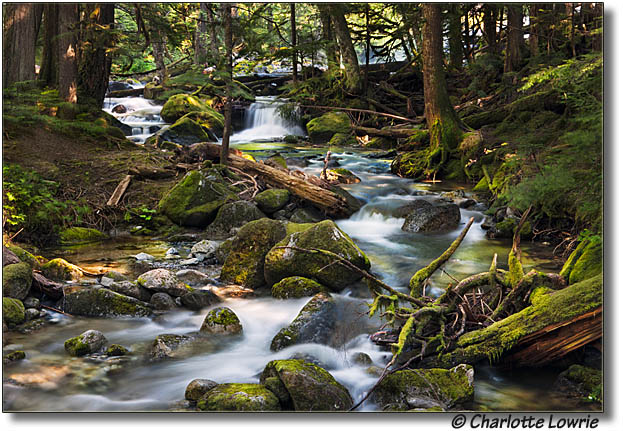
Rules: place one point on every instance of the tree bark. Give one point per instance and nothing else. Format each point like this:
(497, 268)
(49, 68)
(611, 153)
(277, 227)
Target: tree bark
(201, 48)
(454, 36)
(49, 62)
(349, 56)
(489, 24)
(295, 75)
(67, 52)
(228, 89)
(533, 38)
(20, 35)
(333, 56)
(514, 38)
(442, 120)
(158, 45)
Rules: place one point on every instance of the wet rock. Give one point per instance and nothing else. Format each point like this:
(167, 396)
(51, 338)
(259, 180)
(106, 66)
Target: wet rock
(302, 386)
(203, 249)
(580, 382)
(171, 346)
(198, 388)
(193, 278)
(276, 161)
(131, 289)
(272, 200)
(144, 257)
(361, 358)
(506, 229)
(117, 350)
(239, 397)
(12, 357)
(32, 314)
(199, 299)
(162, 301)
(162, 280)
(296, 287)
(285, 262)
(32, 302)
(433, 218)
(93, 301)
(119, 109)
(232, 291)
(297, 162)
(426, 388)
(16, 280)
(314, 324)
(60, 270)
(404, 210)
(221, 320)
(196, 199)
(223, 250)
(467, 203)
(86, 343)
(232, 216)
(13, 311)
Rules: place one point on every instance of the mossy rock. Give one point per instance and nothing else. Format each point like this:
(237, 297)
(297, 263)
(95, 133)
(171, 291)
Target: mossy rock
(285, 262)
(223, 250)
(305, 387)
(412, 164)
(181, 104)
(291, 139)
(210, 120)
(322, 129)
(581, 382)
(221, 320)
(506, 229)
(426, 388)
(100, 302)
(13, 311)
(60, 270)
(198, 388)
(314, 324)
(342, 176)
(81, 235)
(239, 397)
(152, 90)
(296, 287)
(117, 350)
(277, 161)
(186, 131)
(589, 263)
(16, 280)
(171, 346)
(88, 342)
(244, 264)
(231, 216)
(272, 200)
(196, 199)
(482, 186)
(164, 281)
(343, 140)
(24, 255)
(12, 357)
(306, 215)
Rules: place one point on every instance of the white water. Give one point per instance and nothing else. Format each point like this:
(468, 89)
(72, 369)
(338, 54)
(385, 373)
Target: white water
(263, 122)
(142, 115)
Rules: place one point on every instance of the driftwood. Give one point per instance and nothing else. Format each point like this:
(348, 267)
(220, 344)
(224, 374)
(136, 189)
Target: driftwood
(119, 191)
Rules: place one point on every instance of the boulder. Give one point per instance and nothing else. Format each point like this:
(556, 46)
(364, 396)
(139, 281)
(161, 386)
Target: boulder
(117, 350)
(506, 229)
(16, 280)
(433, 218)
(314, 324)
(60, 270)
(179, 105)
(232, 216)
(306, 215)
(322, 129)
(239, 397)
(272, 200)
(426, 389)
(285, 262)
(199, 299)
(131, 289)
(88, 342)
(193, 278)
(305, 387)
(94, 301)
(223, 250)
(195, 200)
(203, 249)
(81, 235)
(221, 320)
(184, 131)
(162, 280)
(296, 287)
(171, 346)
(13, 311)
(343, 140)
(21, 254)
(404, 210)
(198, 388)
(162, 301)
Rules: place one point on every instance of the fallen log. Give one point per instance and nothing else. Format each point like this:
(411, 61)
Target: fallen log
(46, 286)
(387, 133)
(119, 191)
(417, 120)
(132, 92)
(326, 200)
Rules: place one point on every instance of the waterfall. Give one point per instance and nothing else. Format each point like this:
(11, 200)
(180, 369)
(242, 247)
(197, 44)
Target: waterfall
(263, 122)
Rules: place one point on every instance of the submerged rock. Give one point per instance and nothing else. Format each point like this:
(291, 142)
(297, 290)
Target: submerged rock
(433, 218)
(302, 386)
(426, 388)
(239, 397)
(314, 324)
(296, 287)
(88, 342)
(221, 320)
(162, 280)
(16, 280)
(93, 301)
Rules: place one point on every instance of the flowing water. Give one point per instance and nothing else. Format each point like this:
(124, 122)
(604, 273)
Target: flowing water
(48, 380)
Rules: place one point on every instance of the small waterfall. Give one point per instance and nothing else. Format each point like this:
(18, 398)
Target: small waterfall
(263, 122)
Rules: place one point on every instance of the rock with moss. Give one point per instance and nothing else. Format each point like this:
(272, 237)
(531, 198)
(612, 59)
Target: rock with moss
(16, 280)
(322, 129)
(231, 217)
(60, 270)
(290, 139)
(296, 287)
(81, 235)
(199, 299)
(131, 289)
(426, 388)
(88, 342)
(186, 131)
(171, 346)
(198, 388)
(196, 199)
(381, 143)
(282, 261)
(506, 229)
(272, 200)
(221, 320)
(117, 350)
(342, 176)
(582, 382)
(276, 161)
(222, 251)
(13, 357)
(182, 104)
(211, 120)
(305, 387)
(343, 140)
(239, 397)
(306, 215)
(412, 164)
(433, 218)
(92, 301)
(23, 255)
(314, 324)
(162, 280)
(13, 311)
(244, 264)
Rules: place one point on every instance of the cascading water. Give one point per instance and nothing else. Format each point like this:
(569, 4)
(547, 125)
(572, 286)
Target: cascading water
(264, 122)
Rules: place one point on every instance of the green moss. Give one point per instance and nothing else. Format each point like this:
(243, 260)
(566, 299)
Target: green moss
(343, 176)
(185, 131)
(117, 350)
(15, 356)
(588, 380)
(572, 259)
(77, 347)
(60, 270)
(381, 143)
(24, 255)
(181, 104)
(277, 160)
(296, 287)
(412, 164)
(482, 186)
(342, 140)
(100, 302)
(322, 129)
(81, 235)
(239, 397)
(589, 263)
(210, 119)
(13, 311)
(221, 320)
(16, 280)
(515, 269)
(272, 200)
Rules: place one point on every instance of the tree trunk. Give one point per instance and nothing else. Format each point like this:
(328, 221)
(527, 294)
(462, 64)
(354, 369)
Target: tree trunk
(67, 57)
(201, 48)
(368, 46)
(18, 52)
(533, 38)
(514, 38)
(454, 36)
(333, 56)
(158, 45)
(94, 64)
(213, 36)
(293, 41)
(443, 122)
(49, 62)
(490, 31)
(228, 70)
(349, 56)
